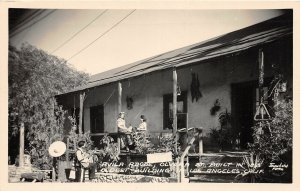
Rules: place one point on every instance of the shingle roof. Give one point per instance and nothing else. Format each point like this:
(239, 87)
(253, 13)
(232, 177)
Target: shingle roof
(233, 42)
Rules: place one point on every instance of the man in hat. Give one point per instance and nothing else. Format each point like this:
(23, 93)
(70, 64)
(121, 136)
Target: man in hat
(83, 163)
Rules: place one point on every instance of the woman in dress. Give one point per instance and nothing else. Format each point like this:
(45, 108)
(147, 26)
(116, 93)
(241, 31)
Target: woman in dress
(143, 125)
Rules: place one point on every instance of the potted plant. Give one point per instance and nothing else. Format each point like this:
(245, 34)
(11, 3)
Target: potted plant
(224, 135)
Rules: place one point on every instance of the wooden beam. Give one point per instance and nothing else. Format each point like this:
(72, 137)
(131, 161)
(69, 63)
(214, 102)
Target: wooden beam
(21, 148)
(119, 111)
(261, 74)
(175, 107)
(54, 162)
(185, 153)
(119, 97)
(119, 145)
(178, 170)
(81, 100)
(68, 150)
(201, 142)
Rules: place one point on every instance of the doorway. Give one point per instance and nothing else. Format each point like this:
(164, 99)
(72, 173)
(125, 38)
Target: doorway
(97, 119)
(96, 124)
(243, 106)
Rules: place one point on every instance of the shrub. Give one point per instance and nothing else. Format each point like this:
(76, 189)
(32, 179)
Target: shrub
(273, 141)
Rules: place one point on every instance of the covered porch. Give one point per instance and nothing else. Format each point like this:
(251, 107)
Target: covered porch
(222, 86)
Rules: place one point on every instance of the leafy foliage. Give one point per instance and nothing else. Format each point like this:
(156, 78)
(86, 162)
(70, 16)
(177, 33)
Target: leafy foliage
(74, 138)
(35, 77)
(141, 142)
(273, 141)
(109, 152)
(168, 143)
(41, 138)
(274, 138)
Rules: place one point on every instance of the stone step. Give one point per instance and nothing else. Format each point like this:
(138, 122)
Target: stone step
(213, 178)
(121, 178)
(215, 167)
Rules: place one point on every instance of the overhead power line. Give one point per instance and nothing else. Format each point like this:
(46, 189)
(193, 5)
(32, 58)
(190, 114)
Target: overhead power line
(84, 48)
(21, 30)
(16, 24)
(97, 17)
(69, 39)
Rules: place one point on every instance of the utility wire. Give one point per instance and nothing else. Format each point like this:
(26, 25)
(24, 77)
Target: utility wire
(99, 15)
(21, 30)
(84, 48)
(23, 21)
(68, 40)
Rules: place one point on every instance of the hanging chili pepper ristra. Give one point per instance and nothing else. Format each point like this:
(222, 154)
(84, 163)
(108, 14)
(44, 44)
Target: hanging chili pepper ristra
(199, 94)
(195, 88)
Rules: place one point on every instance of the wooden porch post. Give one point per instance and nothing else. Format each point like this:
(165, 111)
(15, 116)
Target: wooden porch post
(119, 97)
(119, 110)
(53, 169)
(81, 100)
(201, 142)
(261, 74)
(175, 107)
(67, 151)
(261, 79)
(21, 148)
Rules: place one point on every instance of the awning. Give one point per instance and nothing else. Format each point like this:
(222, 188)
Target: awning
(230, 43)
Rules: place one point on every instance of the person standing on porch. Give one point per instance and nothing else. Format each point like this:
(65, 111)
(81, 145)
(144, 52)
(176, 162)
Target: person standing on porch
(124, 131)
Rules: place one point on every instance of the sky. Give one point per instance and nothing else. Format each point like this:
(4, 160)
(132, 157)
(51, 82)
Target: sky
(122, 37)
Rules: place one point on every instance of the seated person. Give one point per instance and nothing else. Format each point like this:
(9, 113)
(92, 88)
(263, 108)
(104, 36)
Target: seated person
(143, 124)
(142, 128)
(121, 124)
(124, 131)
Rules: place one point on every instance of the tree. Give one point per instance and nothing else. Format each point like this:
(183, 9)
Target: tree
(35, 77)
(273, 141)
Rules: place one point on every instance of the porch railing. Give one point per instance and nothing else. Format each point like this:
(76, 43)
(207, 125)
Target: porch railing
(154, 138)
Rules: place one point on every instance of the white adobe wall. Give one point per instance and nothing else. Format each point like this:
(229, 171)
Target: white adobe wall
(147, 92)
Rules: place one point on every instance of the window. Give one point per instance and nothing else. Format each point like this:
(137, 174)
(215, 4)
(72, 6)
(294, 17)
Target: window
(97, 119)
(181, 111)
